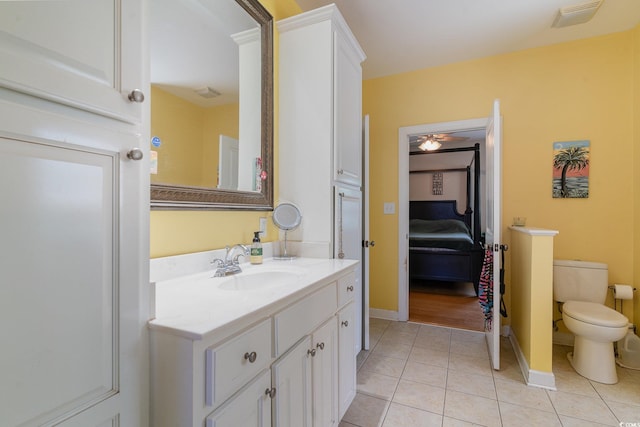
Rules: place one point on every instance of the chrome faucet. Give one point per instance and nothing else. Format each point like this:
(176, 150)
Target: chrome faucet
(230, 264)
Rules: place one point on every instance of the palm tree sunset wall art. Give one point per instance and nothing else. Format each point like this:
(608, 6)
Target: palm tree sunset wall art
(571, 169)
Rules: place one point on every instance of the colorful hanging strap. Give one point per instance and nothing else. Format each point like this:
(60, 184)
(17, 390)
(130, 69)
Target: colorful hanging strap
(485, 291)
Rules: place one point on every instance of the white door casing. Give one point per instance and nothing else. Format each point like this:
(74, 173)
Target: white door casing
(403, 197)
(494, 188)
(367, 243)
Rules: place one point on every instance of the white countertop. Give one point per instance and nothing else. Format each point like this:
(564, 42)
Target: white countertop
(194, 306)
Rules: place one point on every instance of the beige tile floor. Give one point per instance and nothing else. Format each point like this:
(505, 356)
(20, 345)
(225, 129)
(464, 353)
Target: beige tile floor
(422, 375)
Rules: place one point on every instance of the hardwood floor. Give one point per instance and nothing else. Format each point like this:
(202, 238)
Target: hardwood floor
(451, 304)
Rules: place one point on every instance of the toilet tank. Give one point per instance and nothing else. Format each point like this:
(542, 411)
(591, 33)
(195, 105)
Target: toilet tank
(580, 281)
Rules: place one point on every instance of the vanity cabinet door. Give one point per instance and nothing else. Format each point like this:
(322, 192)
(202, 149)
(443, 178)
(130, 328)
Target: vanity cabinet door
(325, 374)
(84, 54)
(291, 378)
(250, 408)
(346, 358)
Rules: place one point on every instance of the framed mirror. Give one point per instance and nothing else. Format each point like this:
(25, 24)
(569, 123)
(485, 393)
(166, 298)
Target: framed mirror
(211, 104)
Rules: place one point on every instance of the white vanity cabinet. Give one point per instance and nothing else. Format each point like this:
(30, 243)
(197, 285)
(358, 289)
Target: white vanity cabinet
(306, 381)
(277, 365)
(346, 358)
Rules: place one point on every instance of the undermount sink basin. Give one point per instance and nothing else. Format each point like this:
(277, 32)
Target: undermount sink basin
(258, 280)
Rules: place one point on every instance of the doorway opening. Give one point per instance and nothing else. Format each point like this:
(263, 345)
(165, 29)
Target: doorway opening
(445, 178)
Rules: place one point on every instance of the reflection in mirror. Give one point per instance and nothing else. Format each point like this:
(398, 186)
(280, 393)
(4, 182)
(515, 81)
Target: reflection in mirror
(211, 113)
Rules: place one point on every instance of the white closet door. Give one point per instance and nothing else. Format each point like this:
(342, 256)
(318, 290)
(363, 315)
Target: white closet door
(74, 216)
(347, 113)
(72, 52)
(348, 241)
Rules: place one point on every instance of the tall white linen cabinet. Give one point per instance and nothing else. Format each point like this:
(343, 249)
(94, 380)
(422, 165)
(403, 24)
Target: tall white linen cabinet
(320, 148)
(74, 216)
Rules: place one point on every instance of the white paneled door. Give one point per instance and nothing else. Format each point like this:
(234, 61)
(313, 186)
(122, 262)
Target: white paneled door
(74, 215)
(493, 231)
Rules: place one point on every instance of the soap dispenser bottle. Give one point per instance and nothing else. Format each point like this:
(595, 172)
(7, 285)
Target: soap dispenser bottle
(256, 249)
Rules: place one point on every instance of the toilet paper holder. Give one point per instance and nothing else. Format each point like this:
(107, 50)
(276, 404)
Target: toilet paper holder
(615, 299)
(612, 287)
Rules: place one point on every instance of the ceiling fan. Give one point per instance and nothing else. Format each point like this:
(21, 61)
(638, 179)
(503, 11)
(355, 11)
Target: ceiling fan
(431, 142)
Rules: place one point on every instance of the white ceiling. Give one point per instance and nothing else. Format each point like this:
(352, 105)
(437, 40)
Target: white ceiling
(406, 35)
(191, 47)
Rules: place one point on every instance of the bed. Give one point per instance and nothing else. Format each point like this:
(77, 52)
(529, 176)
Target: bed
(446, 245)
(441, 243)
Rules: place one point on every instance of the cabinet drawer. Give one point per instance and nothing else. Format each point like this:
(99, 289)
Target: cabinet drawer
(232, 364)
(294, 322)
(346, 289)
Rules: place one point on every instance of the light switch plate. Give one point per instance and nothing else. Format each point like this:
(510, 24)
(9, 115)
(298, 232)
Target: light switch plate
(263, 228)
(389, 208)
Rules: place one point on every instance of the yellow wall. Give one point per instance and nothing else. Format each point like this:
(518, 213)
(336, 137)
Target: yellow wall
(531, 296)
(178, 124)
(569, 91)
(179, 232)
(190, 134)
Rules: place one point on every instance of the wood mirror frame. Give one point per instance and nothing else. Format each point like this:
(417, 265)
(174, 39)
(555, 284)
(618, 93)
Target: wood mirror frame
(179, 197)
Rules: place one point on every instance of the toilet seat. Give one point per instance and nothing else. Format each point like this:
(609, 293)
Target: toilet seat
(595, 314)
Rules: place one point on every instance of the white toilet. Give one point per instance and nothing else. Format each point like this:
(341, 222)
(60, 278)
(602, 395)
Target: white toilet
(582, 287)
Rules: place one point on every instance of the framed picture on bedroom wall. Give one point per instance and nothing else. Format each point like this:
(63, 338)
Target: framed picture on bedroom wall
(571, 161)
(437, 187)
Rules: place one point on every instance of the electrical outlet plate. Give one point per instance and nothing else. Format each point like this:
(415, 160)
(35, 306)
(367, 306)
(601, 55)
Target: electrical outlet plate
(389, 208)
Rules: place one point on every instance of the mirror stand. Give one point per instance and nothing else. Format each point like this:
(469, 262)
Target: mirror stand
(286, 217)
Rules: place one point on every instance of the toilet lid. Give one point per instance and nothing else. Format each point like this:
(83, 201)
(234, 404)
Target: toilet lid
(596, 314)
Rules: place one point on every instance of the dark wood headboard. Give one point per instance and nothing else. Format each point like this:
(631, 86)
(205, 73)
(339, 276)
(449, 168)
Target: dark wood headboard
(438, 209)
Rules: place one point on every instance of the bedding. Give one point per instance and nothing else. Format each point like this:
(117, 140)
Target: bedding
(441, 233)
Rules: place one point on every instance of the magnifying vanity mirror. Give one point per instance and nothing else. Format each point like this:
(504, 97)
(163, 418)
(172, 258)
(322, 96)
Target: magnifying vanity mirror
(211, 104)
(286, 217)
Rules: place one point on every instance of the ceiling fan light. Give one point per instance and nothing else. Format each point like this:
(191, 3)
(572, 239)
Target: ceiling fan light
(429, 145)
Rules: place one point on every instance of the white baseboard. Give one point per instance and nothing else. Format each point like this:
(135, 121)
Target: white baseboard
(532, 377)
(383, 314)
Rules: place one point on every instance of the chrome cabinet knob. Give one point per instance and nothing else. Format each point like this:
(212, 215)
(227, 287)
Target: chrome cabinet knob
(350, 288)
(271, 392)
(251, 357)
(345, 323)
(135, 154)
(312, 352)
(136, 95)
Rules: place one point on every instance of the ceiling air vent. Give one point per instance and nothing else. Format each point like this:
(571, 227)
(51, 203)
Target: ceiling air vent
(577, 14)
